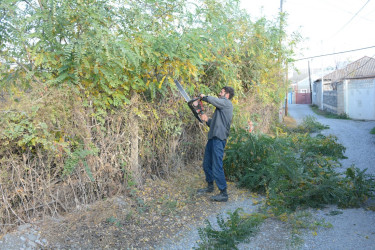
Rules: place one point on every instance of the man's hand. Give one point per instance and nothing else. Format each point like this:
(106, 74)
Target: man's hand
(204, 117)
(202, 95)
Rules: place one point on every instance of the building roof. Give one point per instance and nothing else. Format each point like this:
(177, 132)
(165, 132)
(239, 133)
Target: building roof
(306, 81)
(362, 68)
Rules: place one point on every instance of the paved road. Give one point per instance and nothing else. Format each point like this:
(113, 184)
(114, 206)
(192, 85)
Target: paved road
(354, 135)
(355, 228)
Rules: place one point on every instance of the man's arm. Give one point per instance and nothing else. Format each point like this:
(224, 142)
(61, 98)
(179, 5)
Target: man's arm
(219, 103)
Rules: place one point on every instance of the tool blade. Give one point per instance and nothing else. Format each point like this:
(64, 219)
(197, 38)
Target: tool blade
(182, 91)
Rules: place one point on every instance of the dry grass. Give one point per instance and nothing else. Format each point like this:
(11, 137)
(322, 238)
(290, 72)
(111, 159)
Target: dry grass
(260, 114)
(38, 181)
(34, 183)
(289, 122)
(159, 210)
(32, 177)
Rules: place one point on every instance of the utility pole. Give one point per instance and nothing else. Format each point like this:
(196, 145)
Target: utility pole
(281, 5)
(286, 79)
(322, 86)
(308, 65)
(287, 93)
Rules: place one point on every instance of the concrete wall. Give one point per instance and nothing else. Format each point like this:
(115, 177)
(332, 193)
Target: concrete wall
(356, 98)
(330, 101)
(316, 95)
(341, 109)
(360, 99)
(313, 96)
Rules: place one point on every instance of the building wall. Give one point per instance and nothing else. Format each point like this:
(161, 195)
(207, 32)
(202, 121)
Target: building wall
(316, 95)
(356, 98)
(341, 98)
(330, 101)
(313, 95)
(361, 99)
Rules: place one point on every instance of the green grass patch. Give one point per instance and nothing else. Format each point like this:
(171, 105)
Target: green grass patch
(327, 114)
(309, 125)
(372, 131)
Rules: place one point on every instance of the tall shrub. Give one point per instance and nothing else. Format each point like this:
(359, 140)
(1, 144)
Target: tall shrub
(92, 106)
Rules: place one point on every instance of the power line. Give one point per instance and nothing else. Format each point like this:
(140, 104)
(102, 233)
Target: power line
(334, 53)
(352, 18)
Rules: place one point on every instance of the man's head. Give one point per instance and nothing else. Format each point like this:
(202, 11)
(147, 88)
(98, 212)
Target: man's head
(227, 92)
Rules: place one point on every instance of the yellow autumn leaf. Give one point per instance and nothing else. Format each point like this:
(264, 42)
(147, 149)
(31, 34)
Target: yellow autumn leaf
(161, 82)
(255, 202)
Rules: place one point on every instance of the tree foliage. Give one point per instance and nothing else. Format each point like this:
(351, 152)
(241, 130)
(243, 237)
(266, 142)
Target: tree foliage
(77, 77)
(295, 170)
(108, 48)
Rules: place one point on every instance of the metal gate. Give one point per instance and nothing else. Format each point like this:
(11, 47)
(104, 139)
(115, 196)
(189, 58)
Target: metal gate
(303, 98)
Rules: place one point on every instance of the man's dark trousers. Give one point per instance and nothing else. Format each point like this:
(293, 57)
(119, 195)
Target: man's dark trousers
(213, 162)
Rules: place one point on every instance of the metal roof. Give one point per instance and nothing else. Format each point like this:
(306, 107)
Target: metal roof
(362, 68)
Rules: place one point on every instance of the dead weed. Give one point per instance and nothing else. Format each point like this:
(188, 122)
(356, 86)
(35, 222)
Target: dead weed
(158, 210)
(290, 122)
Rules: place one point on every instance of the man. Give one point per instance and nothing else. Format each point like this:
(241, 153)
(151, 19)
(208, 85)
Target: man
(217, 137)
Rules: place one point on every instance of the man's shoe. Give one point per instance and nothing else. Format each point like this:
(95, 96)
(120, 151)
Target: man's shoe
(222, 197)
(208, 189)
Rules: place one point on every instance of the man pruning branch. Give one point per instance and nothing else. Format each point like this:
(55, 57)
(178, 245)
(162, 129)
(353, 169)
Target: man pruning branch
(217, 137)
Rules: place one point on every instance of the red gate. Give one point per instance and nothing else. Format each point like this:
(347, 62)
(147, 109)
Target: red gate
(303, 98)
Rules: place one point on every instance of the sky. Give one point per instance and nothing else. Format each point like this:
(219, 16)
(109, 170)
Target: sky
(327, 26)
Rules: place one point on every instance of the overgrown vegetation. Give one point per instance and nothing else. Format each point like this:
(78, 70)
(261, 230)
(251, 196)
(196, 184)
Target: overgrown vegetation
(309, 125)
(88, 104)
(294, 171)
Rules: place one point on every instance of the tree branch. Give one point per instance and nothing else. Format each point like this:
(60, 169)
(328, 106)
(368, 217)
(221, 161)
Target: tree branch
(29, 4)
(40, 4)
(28, 71)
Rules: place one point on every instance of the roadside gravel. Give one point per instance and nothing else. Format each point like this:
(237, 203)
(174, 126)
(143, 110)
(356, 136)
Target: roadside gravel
(26, 236)
(188, 238)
